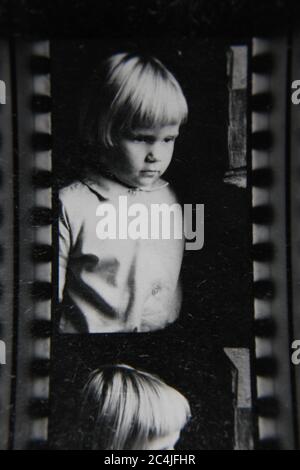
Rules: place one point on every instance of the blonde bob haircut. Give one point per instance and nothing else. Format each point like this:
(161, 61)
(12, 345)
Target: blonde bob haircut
(123, 408)
(130, 91)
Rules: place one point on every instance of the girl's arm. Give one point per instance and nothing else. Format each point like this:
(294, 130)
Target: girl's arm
(64, 248)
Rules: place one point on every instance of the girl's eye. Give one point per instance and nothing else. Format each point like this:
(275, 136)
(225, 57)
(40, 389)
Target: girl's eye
(139, 139)
(151, 140)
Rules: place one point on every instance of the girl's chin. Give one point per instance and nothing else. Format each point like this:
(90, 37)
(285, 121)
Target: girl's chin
(147, 183)
(146, 180)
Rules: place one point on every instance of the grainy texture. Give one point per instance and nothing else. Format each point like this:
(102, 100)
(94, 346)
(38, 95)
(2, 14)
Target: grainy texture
(176, 17)
(217, 287)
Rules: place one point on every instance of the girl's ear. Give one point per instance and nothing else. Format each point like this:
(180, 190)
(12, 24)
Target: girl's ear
(115, 145)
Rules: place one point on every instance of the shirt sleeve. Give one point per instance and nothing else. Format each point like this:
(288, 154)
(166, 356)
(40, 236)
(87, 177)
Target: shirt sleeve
(64, 247)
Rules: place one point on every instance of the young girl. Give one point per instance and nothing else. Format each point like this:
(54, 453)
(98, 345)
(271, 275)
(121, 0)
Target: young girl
(127, 409)
(122, 284)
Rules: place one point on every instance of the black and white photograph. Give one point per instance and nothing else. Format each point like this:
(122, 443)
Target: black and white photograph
(148, 227)
(154, 247)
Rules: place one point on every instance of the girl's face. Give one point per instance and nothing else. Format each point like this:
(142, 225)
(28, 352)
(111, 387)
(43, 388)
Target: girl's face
(143, 155)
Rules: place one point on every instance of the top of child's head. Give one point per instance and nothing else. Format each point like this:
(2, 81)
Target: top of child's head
(131, 91)
(128, 409)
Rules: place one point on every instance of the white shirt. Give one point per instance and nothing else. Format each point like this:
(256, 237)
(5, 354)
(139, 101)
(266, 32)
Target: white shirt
(114, 285)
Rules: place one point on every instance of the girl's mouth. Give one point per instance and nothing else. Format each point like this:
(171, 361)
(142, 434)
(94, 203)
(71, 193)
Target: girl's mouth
(149, 172)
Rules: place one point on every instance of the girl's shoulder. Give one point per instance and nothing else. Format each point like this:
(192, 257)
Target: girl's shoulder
(76, 191)
(73, 187)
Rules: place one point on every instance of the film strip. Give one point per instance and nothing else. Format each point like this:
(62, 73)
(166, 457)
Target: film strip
(294, 204)
(273, 365)
(27, 425)
(35, 216)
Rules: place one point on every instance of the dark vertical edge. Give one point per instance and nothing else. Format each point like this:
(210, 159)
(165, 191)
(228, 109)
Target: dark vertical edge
(55, 268)
(280, 305)
(24, 238)
(288, 219)
(294, 220)
(6, 246)
(15, 237)
(249, 194)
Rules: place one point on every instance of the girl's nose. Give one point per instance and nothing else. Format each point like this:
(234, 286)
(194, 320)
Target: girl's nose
(151, 157)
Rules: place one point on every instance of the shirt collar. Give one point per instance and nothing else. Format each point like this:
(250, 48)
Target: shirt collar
(109, 187)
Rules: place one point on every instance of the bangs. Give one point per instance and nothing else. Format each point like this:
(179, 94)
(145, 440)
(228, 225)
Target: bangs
(130, 91)
(150, 409)
(146, 95)
(155, 100)
(166, 410)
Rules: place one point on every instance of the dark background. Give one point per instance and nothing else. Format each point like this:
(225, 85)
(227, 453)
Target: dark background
(217, 308)
(217, 280)
(199, 371)
(94, 18)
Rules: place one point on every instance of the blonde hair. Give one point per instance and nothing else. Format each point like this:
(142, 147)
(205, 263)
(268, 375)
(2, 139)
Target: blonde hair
(123, 408)
(130, 91)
